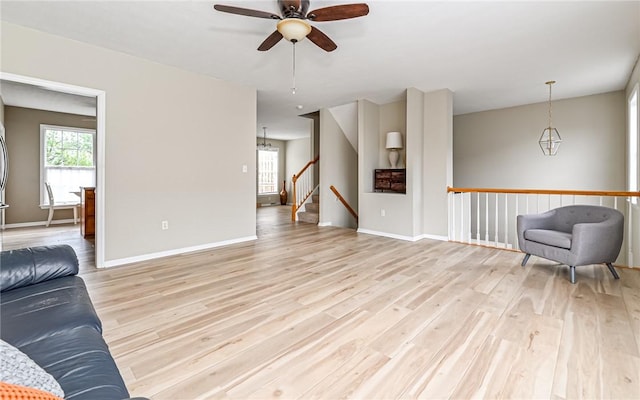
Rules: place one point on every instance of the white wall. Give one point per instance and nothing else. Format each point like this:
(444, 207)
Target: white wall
(499, 148)
(176, 143)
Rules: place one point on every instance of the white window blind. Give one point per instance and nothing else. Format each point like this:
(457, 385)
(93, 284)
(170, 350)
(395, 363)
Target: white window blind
(68, 161)
(268, 171)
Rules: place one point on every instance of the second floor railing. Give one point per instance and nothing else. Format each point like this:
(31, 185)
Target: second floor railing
(302, 186)
(487, 216)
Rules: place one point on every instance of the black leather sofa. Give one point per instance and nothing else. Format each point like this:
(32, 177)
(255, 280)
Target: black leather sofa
(46, 312)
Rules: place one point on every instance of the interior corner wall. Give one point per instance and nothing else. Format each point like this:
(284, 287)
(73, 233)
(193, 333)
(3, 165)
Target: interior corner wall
(298, 153)
(176, 144)
(499, 148)
(368, 145)
(339, 167)
(393, 118)
(388, 214)
(23, 140)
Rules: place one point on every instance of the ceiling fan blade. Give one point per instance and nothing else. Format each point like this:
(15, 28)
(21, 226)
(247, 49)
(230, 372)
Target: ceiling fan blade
(245, 11)
(321, 40)
(335, 13)
(270, 41)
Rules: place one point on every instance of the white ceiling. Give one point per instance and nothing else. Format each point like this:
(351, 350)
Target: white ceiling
(490, 54)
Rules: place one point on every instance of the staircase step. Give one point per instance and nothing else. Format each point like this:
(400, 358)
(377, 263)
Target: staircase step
(305, 216)
(312, 207)
(315, 198)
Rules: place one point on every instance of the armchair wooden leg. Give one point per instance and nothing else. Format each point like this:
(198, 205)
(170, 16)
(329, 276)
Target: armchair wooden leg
(613, 271)
(572, 273)
(526, 258)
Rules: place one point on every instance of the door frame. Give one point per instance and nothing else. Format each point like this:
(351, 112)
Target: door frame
(100, 95)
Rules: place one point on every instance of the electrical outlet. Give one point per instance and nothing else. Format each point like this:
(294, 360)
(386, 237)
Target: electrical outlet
(382, 212)
(244, 168)
(165, 225)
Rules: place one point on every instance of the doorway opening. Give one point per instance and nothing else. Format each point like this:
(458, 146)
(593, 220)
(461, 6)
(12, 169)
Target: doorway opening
(100, 111)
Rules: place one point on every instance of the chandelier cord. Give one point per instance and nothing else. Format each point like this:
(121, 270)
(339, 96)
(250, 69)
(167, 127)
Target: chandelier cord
(550, 84)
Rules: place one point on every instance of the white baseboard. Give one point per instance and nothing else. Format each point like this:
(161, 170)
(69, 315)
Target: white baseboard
(402, 237)
(325, 224)
(160, 254)
(389, 235)
(435, 237)
(38, 223)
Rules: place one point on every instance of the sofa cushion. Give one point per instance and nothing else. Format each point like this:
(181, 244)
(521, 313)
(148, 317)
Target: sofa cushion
(18, 369)
(31, 313)
(33, 265)
(80, 361)
(549, 237)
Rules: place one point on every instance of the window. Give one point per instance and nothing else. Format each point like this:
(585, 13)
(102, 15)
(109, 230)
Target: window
(268, 171)
(634, 134)
(68, 161)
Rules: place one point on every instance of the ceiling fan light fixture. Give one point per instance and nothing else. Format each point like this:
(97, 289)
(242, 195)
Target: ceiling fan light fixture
(294, 29)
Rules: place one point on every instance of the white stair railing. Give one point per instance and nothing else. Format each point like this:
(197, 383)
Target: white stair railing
(303, 185)
(487, 216)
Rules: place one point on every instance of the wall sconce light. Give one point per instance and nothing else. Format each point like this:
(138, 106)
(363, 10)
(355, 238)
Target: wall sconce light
(394, 143)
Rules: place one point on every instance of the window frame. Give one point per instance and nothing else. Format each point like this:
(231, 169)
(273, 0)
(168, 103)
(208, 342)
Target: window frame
(633, 111)
(44, 198)
(276, 172)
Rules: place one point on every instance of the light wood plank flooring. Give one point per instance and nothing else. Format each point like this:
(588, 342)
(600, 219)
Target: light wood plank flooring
(326, 313)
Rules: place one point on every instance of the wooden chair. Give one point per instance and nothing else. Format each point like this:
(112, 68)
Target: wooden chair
(66, 206)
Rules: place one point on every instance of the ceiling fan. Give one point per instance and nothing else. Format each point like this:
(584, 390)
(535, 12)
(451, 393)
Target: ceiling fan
(293, 25)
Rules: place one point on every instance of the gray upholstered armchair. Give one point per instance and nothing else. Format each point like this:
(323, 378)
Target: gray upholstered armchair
(573, 235)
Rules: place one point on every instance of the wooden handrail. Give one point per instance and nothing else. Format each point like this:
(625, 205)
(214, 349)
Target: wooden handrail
(344, 202)
(310, 163)
(545, 191)
(296, 205)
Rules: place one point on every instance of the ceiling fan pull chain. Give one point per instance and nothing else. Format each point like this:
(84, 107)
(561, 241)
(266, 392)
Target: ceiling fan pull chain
(293, 89)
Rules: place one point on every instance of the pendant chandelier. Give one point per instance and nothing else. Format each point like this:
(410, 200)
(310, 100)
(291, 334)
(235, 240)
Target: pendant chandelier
(550, 140)
(264, 145)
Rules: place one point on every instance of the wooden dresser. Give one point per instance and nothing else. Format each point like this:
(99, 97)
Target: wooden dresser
(88, 211)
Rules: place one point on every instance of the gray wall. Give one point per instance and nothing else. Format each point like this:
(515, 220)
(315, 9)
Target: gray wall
(437, 159)
(340, 169)
(176, 142)
(499, 148)
(23, 142)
